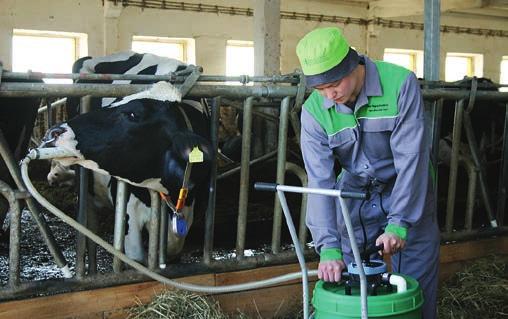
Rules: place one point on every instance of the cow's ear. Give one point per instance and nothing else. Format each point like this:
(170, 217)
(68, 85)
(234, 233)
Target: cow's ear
(184, 142)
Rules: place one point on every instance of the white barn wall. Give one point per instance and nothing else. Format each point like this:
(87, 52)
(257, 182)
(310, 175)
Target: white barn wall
(211, 31)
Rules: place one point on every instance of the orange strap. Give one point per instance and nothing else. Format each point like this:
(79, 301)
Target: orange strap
(182, 196)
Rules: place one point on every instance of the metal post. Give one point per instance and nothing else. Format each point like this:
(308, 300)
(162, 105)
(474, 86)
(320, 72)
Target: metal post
(503, 176)
(46, 233)
(15, 237)
(454, 163)
(435, 120)
(120, 213)
(49, 114)
(244, 177)
(82, 219)
(281, 170)
(294, 117)
(431, 39)
(163, 236)
(431, 65)
(210, 211)
(14, 224)
(471, 192)
(90, 245)
(153, 232)
(82, 206)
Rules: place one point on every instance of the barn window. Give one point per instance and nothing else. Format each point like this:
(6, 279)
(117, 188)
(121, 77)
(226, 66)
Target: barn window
(410, 59)
(503, 79)
(239, 58)
(177, 48)
(56, 51)
(458, 65)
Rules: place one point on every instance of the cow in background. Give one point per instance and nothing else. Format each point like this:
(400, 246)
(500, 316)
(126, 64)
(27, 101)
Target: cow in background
(143, 138)
(17, 118)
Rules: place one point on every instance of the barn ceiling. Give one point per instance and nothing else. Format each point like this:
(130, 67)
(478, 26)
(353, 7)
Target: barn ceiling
(401, 8)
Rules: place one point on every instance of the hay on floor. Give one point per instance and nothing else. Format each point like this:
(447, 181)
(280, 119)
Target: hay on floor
(478, 291)
(177, 304)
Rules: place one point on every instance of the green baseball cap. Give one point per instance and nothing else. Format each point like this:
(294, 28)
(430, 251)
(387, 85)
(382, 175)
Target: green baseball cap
(325, 56)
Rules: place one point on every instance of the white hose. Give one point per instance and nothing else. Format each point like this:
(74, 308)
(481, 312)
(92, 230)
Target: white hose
(399, 282)
(139, 267)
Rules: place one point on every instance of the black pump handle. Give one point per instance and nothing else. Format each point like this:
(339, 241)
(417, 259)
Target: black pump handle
(268, 187)
(366, 254)
(355, 195)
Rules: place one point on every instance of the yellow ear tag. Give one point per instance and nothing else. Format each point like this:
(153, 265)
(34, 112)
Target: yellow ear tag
(196, 156)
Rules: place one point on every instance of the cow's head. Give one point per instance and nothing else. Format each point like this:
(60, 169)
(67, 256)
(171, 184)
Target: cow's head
(144, 141)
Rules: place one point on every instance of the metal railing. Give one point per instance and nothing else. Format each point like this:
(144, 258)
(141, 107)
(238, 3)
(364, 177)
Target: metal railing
(288, 93)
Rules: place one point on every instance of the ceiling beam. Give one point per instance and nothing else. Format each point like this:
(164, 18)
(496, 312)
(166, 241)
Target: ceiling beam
(401, 8)
(497, 4)
(484, 12)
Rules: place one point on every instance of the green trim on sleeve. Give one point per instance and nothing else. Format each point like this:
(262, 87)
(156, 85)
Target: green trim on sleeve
(330, 254)
(400, 231)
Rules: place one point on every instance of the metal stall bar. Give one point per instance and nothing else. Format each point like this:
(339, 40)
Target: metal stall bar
(210, 211)
(57, 103)
(82, 219)
(227, 91)
(254, 161)
(83, 208)
(173, 77)
(294, 116)
(163, 235)
(437, 114)
(36, 215)
(503, 176)
(434, 94)
(471, 192)
(473, 146)
(153, 229)
(302, 175)
(14, 224)
(49, 114)
(120, 217)
(120, 90)
(454, 163)
(281, 171)
(244, 177)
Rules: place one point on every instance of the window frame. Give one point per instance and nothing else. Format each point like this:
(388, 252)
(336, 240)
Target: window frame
(80, 39)
(416, 57)
(475, 65)
(239, 44)
(188, 45)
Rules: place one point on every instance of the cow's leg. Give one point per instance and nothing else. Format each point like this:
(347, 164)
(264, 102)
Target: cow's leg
(175, 243)
(138, 215)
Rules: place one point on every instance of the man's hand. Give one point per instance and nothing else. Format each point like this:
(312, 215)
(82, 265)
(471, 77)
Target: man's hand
(331, 270)
(391, 243)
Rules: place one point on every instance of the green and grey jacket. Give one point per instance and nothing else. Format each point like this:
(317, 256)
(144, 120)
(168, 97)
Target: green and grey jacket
(382, 146)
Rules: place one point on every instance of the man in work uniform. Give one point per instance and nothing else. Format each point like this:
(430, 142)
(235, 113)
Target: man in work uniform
(368, 115)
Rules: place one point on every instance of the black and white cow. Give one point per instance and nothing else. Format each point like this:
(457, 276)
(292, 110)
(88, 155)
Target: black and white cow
(144, 139)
